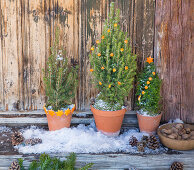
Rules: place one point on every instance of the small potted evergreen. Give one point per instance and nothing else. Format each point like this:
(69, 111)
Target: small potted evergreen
(148, 92)
(60, 80)
(113, 67)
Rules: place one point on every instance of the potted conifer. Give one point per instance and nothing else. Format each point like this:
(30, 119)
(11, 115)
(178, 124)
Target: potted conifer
(148, 92)
(113, 67)
(60, 80)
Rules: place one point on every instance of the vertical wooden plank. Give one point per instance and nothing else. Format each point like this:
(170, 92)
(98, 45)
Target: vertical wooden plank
(1, 60)
(187, 78)
(10, 55)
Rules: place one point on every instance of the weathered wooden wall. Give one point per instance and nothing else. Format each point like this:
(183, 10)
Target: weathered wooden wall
(27, 31)
(174, 50)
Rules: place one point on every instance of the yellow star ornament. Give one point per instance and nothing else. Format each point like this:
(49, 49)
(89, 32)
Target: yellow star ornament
(149, 59)
(67, 112)
(51, 112)
(59, 113)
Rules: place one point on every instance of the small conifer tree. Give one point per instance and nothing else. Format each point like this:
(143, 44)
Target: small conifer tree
(60, 78)
(112, 63)
(148, 89)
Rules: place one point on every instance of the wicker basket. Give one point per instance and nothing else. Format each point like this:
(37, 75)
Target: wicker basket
(173, 143)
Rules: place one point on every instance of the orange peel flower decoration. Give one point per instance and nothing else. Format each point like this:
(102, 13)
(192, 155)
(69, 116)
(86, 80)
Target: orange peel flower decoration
(150, 78)
(126, 41)
(122, 49)
(59, 113)
(119, 83)
(91, 70)
(100, 83)
(51, 112)
(154, 73)
(148, 82)
(102, 37)
(149, 59)
(108, 30)
(67, 112)
(126, 67)
(115, 25)
(92, 49)
(102, 68)
(139, 97)
(109, 86)
(114, 70)
(111, 54)
(97, 41)
(99, 54)
(146, 87)
(143, 92)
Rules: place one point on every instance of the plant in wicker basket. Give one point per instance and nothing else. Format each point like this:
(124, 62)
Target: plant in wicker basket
(176, 166)
(14, 166)
(17, 138)
(133, 141)
(113, 64)
(153, 142)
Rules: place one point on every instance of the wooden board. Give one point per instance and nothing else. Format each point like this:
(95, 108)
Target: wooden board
(114, 161)
(27, 32)
(174, 57)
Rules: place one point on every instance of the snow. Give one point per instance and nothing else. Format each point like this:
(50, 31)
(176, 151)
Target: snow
(145, 113)
(4, 129)
(81, 139)
(175, 121)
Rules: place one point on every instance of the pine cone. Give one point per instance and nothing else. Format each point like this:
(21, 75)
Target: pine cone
(133, 141)
(17, 138)
(14, 166)
(176, 166)
(140, 147)
(92, 101)
(144, 140)
(153, 142)
(33, 141)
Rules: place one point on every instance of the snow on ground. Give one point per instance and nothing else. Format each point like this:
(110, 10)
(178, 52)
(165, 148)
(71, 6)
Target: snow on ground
(81, 139)
(4, 129)
(175, 121)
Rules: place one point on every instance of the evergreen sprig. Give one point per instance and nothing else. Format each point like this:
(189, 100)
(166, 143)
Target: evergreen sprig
(60, 78)
(148, 90)
(113, 64)
(46, 162)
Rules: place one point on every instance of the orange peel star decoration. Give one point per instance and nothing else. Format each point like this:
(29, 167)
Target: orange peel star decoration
(126, 67)
(91, 70)
(154, 73)
(139, 97)
(59, 113)
(99, 54)
(149, 59)
(115, 25)
(126, 41)
(100, 83)
(108, 30)
(143, 92)
(122, 49)
(102, 68)
(148, 82)
(114, 70)
(111, 54)
(150, 78)
(45, 110)
(102, 37)
(146, 87)
(67, 112)
(97, 41)
(109, 86)
(92, 49)
(73, 109)
(119, 83)
(51, 112)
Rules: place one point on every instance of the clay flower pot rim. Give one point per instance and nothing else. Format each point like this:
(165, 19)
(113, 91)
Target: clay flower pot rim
(139, 113)
(107, 110)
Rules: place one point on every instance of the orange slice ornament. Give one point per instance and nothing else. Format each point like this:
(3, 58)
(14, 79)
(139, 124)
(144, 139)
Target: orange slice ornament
(149, 59)
(45, 110)
(73, 109)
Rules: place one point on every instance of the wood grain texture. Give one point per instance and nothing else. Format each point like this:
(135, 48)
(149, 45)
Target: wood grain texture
(27, 32)
(174, 57)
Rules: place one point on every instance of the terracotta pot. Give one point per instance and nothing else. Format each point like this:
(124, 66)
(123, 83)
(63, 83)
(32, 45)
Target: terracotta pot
(108, 122)
(148, 124)
(58, 122)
